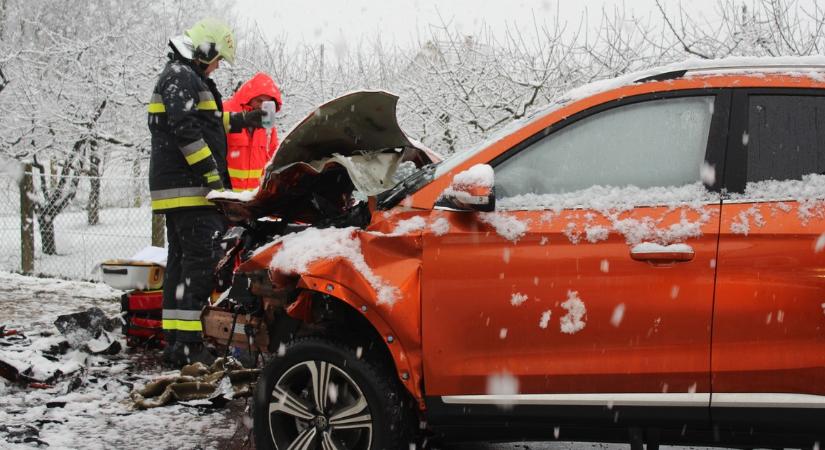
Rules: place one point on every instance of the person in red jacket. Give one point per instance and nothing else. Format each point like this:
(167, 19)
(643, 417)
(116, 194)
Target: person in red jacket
(249, 150)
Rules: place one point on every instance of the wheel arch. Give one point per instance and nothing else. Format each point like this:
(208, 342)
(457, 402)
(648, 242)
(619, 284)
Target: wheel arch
(371, 324)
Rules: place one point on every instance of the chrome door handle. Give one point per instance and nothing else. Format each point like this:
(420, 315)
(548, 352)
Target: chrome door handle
(649, 251)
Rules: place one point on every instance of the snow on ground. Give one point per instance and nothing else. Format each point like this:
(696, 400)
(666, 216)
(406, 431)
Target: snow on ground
(96, 414)
(80, 247)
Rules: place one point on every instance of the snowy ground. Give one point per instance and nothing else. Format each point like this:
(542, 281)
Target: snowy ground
(94, 412)
(80, 247)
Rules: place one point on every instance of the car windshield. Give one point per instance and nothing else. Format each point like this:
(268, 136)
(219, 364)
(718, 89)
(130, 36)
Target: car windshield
(457, 158)
(407, 186)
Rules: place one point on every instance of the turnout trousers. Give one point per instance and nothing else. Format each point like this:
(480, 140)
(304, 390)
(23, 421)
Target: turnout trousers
(194, 251)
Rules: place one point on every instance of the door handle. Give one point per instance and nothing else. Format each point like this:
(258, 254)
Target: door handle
(649, 251)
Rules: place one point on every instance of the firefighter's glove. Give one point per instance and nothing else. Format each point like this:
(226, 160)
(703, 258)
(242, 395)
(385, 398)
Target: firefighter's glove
(246, 119)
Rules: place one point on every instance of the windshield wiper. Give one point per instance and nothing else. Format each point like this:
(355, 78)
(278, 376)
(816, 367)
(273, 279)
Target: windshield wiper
(412, 183)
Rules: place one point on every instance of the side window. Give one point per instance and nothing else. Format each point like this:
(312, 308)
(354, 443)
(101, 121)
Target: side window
(647, 144)
(786, 136)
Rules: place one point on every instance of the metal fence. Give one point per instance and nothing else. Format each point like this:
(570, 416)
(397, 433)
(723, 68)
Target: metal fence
(106, 218)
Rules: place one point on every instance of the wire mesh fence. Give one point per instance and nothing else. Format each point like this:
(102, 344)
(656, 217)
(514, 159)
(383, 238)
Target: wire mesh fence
(78, 222)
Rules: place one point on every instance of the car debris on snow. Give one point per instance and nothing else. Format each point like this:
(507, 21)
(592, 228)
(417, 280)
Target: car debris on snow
(198, 385)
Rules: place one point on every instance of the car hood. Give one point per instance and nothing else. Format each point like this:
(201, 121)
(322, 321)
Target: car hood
(357, 132)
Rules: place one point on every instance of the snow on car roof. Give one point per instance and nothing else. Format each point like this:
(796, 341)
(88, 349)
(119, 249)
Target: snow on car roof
(803, 66)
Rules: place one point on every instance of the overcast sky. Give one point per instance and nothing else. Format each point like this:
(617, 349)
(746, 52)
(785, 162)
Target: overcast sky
(334, 22)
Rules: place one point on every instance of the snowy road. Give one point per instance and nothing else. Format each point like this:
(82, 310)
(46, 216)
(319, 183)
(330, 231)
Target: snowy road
(91, 409)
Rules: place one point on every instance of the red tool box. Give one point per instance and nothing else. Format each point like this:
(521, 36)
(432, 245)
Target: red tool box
(142, 318)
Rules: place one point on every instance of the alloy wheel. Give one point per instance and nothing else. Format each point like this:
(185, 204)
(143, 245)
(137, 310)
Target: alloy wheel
(317, 405)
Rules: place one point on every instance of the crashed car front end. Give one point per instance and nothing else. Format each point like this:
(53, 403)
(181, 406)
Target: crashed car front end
(320, 238)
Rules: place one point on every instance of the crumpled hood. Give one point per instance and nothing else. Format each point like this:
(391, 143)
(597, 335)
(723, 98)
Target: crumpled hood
(355, 123)
(358, 132)
(260, 84)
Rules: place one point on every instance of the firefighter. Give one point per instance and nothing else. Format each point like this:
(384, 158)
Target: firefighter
(250, 149)
(188, 160)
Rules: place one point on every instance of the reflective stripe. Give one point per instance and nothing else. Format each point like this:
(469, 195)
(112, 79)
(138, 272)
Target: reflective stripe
(156, 108)
(208, 105)
(226, 126)
(198, 156)
(180, 202)
(240, 173)
(183, 314)
(180, 192)
(188, 314)
(242, 189)
(182, 325)
(212, 177)
(189, 325)
(192, 147)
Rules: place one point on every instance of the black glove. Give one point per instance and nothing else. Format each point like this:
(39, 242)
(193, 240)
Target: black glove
(246, 119)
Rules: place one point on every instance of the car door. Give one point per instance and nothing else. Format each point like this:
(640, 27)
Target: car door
(769, 317)
(569, 287)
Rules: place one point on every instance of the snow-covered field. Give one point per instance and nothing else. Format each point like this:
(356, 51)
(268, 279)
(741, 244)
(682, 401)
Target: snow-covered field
(80, 247)
(91, 408)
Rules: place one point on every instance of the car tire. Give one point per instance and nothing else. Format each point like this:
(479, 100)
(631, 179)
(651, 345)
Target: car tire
(365, 406)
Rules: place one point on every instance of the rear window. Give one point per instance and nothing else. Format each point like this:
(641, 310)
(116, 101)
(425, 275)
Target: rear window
(785, 137)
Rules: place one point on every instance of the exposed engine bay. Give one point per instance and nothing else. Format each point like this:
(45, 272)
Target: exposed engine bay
(327, 172)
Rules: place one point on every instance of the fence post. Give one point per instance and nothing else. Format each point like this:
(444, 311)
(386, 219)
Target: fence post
(158, 230)
(26, 220)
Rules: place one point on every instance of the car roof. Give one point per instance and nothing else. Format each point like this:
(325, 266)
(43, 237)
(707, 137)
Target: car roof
(798, 72)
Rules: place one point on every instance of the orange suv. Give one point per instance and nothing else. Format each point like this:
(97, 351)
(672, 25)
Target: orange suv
(641, 261)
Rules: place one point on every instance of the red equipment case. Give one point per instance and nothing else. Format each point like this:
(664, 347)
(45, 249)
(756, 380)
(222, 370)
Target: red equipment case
(142, 318)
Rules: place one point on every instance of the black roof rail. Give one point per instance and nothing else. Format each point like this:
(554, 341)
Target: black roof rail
(720, 67)
(663, 76)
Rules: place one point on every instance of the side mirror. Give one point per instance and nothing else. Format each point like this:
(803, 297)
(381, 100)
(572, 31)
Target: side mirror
(470, 190)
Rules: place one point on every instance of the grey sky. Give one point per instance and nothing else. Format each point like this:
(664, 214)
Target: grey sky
(336, 22)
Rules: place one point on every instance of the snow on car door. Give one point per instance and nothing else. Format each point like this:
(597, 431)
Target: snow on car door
(595, 273)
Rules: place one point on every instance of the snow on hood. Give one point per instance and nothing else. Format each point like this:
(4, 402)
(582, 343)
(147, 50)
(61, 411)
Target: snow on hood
(300, 250)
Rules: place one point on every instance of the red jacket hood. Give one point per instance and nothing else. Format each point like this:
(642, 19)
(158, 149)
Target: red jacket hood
(260, 84)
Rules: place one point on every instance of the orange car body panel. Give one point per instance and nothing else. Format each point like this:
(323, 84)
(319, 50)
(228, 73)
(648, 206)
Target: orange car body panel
(769, 321)
(659, 341)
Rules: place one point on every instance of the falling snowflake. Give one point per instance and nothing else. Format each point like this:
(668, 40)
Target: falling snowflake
(707, 173)
(618, 315)
(545, 319)
(502, 386)
(819, 245)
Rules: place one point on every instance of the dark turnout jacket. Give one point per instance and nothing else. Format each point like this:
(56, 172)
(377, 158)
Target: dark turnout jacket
(187, 124)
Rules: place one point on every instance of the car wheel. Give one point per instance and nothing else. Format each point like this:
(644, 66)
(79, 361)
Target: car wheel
(322, 395)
